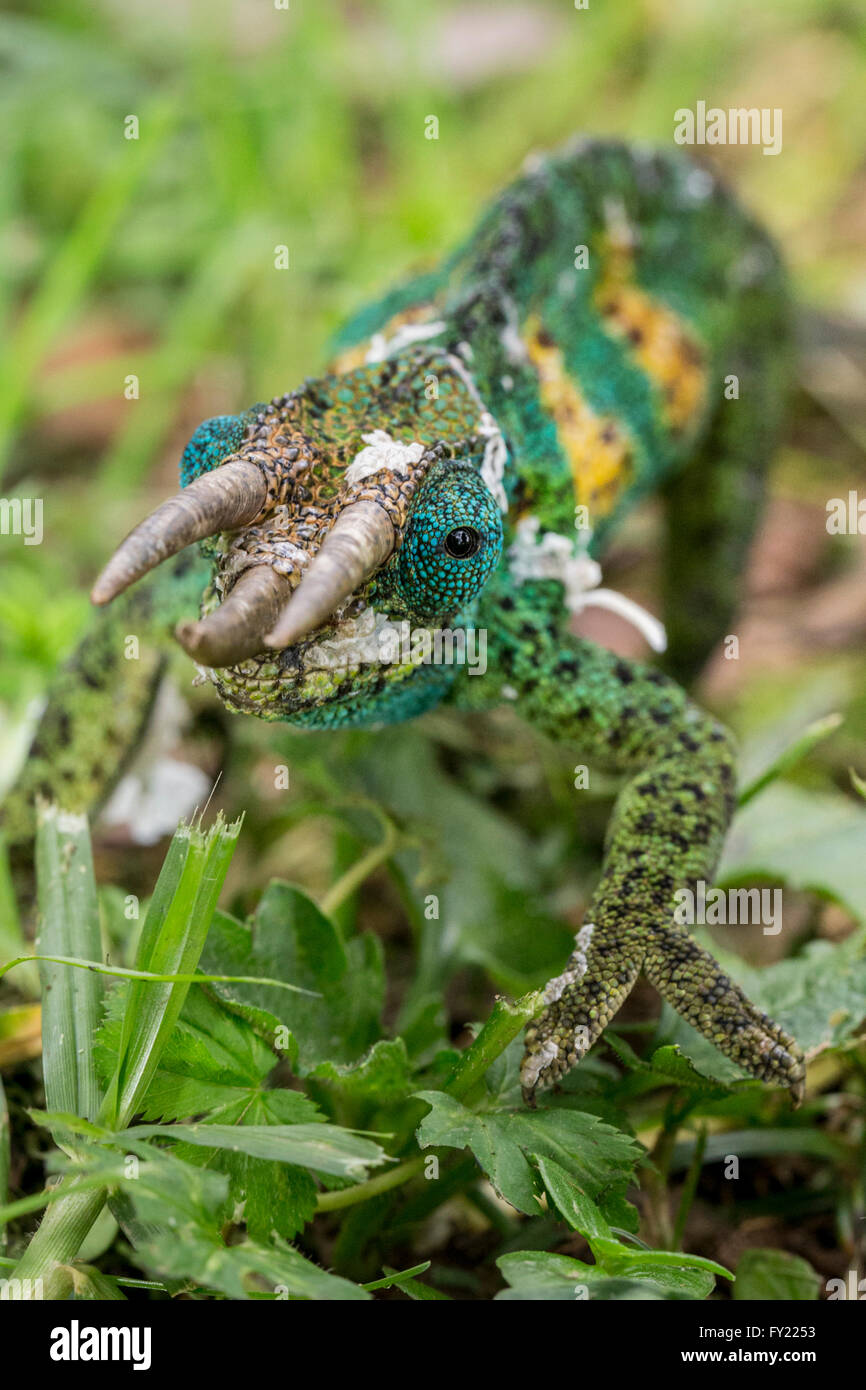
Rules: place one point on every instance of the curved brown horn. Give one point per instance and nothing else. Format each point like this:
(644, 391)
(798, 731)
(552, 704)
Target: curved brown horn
(360, 540)
(236, 630)
(229, 497)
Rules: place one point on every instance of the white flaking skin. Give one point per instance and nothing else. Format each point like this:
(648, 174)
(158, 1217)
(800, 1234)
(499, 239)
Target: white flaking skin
(382, 452)
(548, 555)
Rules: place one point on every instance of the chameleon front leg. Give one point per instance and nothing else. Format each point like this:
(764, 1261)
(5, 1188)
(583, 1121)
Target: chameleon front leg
(665, 834)
(100, 702)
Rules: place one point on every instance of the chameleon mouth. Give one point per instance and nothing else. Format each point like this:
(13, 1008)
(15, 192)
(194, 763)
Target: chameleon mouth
(264, 608)
(359, 542)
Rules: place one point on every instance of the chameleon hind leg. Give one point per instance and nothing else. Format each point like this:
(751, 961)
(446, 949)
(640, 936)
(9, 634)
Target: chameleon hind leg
(665, 834)
(99, 706)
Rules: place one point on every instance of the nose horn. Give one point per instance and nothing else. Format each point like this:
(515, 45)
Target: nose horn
(236, 630)
(358, 543)
(232, 495)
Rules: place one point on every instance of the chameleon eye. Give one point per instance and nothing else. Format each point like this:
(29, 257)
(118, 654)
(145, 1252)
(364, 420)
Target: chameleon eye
(462, 542)
(452, 541)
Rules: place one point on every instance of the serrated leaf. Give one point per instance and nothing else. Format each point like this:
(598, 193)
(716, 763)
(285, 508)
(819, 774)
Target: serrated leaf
(670, 1064)
(597, 1156)
(381, 1077)
(271, 1196)
(577, 1208)
(214, 1066)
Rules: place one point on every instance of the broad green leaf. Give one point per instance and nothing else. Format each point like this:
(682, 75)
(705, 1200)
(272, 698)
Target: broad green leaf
(579, 1210)
(535, 1276)
(212, 1059)
(598, 1157)
(69, 926)
(178, 1214)
(809, 840)
(324, 1148)
(775, 1275)
(289, 939)
(670, 1064)
(688, 1274)
(491, 909)
(184, 1252)
(271, 1197)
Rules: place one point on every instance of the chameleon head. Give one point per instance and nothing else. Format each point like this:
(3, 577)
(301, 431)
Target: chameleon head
(329, 516)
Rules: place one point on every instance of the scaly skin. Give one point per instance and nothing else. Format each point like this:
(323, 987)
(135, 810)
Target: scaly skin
(615, 327)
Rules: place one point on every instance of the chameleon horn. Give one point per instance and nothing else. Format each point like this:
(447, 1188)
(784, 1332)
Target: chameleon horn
(231, 496)
(360, 540)
(236, 630)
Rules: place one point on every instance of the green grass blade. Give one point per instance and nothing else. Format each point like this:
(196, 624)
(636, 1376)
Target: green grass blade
(172, 938)
(72, 1000)
(122, 972)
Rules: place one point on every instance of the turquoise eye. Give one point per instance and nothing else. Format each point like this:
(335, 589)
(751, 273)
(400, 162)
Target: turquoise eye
(452, 541)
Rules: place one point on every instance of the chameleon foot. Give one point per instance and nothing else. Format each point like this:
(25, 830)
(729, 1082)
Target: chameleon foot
(581, 1002)
(600, 974)
(694, 984)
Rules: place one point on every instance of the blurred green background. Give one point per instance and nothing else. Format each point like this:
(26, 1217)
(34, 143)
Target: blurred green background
(154, 257)
(304, 126)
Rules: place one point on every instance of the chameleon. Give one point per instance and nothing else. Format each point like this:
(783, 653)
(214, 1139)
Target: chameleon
(615, 328)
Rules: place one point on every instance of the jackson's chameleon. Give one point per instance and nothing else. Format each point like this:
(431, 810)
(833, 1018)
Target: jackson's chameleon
(614, 327)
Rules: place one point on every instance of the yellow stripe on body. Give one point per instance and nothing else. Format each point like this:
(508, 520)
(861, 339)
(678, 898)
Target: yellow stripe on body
(598, 450)
(661, 343)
